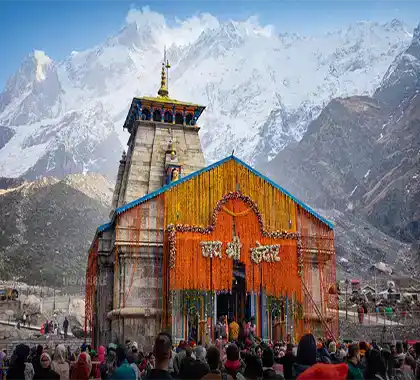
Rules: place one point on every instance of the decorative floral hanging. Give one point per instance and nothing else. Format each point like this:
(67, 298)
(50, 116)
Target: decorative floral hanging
(173, 229)
(300, 256)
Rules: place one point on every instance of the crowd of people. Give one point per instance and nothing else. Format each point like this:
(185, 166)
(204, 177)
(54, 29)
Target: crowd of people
(311, 359)
(53, 328)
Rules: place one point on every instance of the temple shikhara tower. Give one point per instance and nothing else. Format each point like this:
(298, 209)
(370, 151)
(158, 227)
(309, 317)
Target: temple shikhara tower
(186, 243)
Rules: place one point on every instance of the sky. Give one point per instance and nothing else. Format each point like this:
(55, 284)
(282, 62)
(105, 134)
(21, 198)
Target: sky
(60, 27)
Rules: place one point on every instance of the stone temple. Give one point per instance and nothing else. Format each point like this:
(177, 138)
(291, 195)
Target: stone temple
(187, 243)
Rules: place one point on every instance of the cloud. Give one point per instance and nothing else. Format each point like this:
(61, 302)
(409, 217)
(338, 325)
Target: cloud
(183, 32)
(186, 31)
(145, 16)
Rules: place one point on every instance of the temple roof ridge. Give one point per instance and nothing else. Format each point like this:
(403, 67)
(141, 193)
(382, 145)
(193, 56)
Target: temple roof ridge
(136, 202)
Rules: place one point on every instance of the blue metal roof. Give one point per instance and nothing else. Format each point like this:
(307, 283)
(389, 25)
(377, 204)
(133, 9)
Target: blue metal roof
(104, 227)
(157, 192)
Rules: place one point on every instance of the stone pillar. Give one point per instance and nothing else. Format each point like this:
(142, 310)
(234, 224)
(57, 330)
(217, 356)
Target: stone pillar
(140, 311)
(123, 188)
(118, 182)
(104, 294)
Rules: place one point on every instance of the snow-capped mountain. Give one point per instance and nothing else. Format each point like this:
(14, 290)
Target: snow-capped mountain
(362, 154)
(261, 88)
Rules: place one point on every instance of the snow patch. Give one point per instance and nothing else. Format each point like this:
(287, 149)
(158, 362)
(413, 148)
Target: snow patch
(353, 190)
(366, 174)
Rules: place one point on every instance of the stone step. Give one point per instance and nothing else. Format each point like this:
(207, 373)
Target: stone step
(74, 343)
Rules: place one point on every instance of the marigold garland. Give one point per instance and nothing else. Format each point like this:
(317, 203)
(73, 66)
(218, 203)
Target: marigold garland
(172, 229)
(265, 274)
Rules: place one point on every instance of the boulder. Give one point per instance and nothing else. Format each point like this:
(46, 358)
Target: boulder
(77, 332)
(31, 305)
(77, 312)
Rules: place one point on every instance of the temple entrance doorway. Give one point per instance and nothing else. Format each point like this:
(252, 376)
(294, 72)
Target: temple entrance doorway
(237, 304)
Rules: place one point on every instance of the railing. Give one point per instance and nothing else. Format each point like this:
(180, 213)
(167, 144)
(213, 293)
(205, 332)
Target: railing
(396, 318)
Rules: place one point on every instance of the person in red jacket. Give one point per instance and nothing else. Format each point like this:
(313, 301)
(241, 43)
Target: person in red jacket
(322, 371)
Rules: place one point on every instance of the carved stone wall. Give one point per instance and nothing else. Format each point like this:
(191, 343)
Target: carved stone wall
(131, 308)
(145, 162)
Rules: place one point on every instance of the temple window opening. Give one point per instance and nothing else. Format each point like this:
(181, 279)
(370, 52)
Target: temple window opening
(179, 118)
(189, 119)
(157, 115)
(145, 114)
(168, 117)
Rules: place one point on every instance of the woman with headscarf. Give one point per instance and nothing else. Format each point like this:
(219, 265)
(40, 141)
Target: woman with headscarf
(36, 360)
(46, 373)
(108, 367)
(59, 364)
(81, 369)
(306, 354)
(18, 369)
(100, 358)
(101, 354)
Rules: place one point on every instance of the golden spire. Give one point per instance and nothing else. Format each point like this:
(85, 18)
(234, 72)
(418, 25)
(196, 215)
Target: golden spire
(163, 91)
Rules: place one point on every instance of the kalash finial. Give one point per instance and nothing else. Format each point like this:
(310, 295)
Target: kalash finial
(163, 91)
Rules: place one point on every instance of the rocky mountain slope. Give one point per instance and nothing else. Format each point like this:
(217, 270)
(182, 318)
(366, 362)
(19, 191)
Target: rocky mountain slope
(261, 89)
(47, 227)
(361, 156)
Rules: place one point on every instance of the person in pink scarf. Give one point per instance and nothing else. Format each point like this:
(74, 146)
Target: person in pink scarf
(101, 359)
(233, 365)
